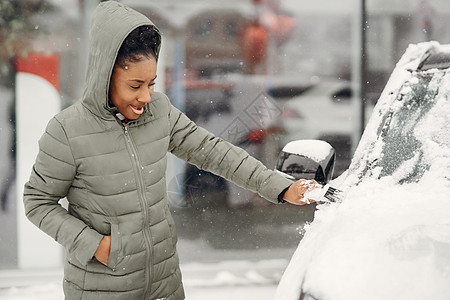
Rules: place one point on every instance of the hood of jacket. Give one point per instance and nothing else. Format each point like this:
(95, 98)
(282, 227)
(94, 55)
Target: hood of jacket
(111, 24)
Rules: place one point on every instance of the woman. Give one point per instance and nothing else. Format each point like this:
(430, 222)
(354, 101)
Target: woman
(107, 155)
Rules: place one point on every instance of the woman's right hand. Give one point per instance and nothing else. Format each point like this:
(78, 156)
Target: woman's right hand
(102, 253)
(296, 192)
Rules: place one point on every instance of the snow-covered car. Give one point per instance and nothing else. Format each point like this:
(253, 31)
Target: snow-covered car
(389, 235)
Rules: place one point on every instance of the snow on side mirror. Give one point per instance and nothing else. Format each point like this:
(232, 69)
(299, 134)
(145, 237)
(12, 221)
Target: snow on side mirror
(308, 159)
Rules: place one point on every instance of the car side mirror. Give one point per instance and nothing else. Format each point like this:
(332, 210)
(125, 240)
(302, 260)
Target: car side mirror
(308, 159)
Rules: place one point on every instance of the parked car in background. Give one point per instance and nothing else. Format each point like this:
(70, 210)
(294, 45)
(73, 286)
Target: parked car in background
(389, 237)
(325, 111)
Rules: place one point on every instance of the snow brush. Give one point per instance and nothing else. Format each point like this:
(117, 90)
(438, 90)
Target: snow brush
(324, 194)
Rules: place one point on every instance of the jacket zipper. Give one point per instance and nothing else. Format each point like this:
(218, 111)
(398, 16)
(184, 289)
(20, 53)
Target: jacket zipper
(141, 195)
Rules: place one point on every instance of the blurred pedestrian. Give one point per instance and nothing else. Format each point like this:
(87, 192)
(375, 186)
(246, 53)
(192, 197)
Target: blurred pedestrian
(107, 155)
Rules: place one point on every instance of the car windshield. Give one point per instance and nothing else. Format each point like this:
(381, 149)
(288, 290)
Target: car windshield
(397, 147)
(397, 130)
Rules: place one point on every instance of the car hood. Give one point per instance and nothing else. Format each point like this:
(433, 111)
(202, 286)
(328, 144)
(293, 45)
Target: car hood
(381, 239)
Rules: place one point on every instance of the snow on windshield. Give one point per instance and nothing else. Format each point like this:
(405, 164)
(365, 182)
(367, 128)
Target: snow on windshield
(434, 130)
(374, 153)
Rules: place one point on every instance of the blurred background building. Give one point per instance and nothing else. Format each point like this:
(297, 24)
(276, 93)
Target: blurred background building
(258, 73)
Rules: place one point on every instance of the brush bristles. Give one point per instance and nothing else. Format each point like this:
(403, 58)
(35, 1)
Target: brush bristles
(333, 194)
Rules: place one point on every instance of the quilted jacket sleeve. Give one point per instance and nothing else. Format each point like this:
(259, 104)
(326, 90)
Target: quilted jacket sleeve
(201, 148)
(50, 180)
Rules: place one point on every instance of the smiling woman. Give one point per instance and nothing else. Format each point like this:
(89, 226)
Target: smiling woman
(134, 73)
(132, 86)
(107, 155)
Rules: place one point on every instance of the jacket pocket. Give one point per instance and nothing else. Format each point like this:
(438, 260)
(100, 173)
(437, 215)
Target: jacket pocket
(115, 256)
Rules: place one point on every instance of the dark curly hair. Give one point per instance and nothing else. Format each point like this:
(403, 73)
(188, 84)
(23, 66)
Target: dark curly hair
(142, 41)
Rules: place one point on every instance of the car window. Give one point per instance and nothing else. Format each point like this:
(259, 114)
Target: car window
(439, 60)
(287, 92)
(344, 94)
(400, 142)
(203, 101)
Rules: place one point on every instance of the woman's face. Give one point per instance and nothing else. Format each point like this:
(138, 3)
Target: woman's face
(131, 86)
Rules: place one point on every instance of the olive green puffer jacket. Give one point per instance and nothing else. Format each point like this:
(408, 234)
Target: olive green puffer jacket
(113, 176)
